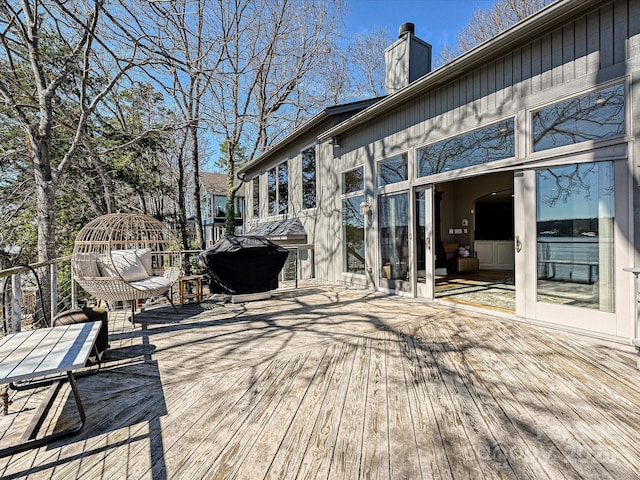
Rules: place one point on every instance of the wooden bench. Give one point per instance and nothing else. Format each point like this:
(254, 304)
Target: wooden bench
(551, 264)
(39, 353)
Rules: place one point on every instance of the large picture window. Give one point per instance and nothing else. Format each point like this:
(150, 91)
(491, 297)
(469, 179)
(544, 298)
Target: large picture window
(592, 116)
(487, 144)
(309, 178)
(392, 170)
(278, 189)
(353, 235)
(353, 246)
(256, 197)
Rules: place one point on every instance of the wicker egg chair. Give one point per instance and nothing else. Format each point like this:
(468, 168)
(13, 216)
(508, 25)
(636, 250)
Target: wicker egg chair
(126, 257)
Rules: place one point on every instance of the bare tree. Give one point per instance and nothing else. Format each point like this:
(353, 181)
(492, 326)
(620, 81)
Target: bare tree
(367, 71)
(487, 23)
(52, 50)
(264, 82)
(190, 48)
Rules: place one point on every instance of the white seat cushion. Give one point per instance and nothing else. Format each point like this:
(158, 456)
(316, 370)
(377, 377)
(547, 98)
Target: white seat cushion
(152, 284)
(125, 263)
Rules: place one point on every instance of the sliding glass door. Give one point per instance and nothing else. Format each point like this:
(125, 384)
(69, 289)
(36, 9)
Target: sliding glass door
(573, 245)
(423, 264)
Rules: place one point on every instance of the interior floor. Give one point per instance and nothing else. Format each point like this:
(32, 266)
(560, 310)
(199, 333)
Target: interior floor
(485, 288)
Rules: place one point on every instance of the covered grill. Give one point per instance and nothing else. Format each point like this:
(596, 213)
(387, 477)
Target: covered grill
(243, 264)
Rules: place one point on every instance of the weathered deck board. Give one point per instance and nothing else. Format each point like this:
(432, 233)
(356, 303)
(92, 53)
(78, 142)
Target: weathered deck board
(326, 382)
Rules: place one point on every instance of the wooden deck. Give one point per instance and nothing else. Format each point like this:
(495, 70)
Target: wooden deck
(325, 382)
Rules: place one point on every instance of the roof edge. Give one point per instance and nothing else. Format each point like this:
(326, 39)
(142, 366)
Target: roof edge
(556, 12)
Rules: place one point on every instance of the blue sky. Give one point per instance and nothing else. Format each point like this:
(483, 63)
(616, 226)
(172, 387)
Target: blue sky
(437, 21)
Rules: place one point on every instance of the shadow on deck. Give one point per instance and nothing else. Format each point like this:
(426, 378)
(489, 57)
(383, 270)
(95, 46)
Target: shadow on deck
(327, 382)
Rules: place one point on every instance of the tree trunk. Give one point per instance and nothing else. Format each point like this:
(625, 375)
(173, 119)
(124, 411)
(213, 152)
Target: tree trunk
(182, 213)
(230, 216)
(195, 165)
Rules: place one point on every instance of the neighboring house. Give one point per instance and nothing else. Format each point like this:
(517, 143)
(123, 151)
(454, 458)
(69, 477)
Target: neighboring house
(214, 205)
(523, 149)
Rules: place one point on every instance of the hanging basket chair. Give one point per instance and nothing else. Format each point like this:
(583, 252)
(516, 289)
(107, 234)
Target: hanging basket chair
(121, 257)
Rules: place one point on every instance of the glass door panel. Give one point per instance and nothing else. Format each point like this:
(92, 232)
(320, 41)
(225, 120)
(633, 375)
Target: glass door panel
(423, 264)
(575, 213)
(394, 241)
(573, 246)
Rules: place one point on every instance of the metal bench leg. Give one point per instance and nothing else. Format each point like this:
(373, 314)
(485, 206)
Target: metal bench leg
(38, 442)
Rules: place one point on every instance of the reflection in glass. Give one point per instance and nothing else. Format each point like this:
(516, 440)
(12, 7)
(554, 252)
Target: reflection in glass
(588, 117)
(421, 247)
(487, 144)
(256, 197)
(353, 180)
(394, 236)
(353, 235)
(575, 227)
(392, 170)
(221, 206)
(283, 188)
(271, 191)
(309, 178)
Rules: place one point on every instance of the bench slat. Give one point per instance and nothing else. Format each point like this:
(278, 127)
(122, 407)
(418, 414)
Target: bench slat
(46, 351)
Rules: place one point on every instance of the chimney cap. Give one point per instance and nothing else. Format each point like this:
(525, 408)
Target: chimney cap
(406, 28)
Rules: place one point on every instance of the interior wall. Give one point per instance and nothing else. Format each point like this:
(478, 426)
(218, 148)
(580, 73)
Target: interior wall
(458, 203)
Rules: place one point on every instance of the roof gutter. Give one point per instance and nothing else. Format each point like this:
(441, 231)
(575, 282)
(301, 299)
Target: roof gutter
(544, 20)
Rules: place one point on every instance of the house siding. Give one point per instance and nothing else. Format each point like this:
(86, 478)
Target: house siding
(589, 44)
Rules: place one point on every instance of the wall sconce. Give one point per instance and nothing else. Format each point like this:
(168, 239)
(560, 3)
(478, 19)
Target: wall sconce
(365, 209)
(335, 142)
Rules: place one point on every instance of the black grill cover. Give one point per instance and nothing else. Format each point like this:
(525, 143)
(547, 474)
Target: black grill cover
(243, 264)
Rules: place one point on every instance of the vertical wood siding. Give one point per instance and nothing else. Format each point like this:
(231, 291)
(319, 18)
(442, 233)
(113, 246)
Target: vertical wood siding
(576, 55)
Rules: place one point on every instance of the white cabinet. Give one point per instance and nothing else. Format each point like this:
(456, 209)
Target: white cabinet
(495, 254)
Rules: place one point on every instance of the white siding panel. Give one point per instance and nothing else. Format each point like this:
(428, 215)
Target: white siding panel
(536, 66)
(593, 43)
(633, 49)
(568, 53)
(620, 31)
(557, 57)
(580, 47)
(547, 44)
(606, 36)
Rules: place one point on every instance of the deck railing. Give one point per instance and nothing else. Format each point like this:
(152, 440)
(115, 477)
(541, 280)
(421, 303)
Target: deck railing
(23, 287)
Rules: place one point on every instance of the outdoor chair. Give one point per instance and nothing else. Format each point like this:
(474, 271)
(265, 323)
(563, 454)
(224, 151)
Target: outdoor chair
(126, 257)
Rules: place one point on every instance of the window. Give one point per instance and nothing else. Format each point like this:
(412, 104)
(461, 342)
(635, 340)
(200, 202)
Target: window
(256, 197)
(283, 188)
(221, 206)
(484, 145)
(394, 236)
(272, 193)
(392, 170)
(278, 189)
(353, 180)
(353, 246)
(353, 235)
(309, 178)
(592, 116)
(575, 224)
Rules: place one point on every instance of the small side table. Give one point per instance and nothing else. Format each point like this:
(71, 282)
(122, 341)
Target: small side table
(186, 293)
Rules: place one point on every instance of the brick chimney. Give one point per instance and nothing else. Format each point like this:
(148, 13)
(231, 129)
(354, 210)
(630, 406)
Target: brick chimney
(408, 59)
